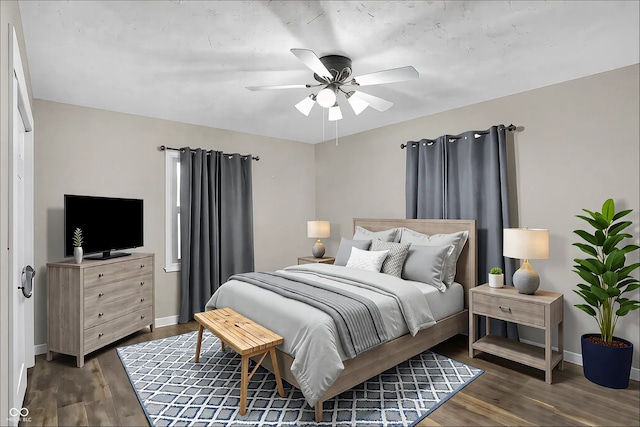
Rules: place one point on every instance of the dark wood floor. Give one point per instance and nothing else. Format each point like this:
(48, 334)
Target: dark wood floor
(99, 394)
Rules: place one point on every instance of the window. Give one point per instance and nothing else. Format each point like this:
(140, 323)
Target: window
(172, 210)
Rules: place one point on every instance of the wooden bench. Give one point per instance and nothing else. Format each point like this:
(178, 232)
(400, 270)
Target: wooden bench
(246, 338)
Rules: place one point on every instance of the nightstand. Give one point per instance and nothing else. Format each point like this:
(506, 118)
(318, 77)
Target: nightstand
(543, 310)
(314, 260)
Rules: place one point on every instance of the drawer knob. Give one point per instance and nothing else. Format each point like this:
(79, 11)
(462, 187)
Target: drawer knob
(101, 294)
(100, 314)
(142, 316)
(141, 299)
(100, 274)
(141, 283)
(100, 334)
(141, 265)
(503, 308)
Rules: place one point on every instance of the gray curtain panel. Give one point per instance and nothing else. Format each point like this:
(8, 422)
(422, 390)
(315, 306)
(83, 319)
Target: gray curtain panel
(465, 177)
(216, 224)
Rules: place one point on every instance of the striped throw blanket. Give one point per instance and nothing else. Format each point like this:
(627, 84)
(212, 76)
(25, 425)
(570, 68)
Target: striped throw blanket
(357, 318)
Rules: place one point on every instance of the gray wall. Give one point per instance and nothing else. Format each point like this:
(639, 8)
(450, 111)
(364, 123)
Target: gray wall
(88, 151)
(579, 146)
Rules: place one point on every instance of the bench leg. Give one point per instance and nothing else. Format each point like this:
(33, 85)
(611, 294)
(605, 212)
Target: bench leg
(319, 411)
(276, 370)
(244, 382)
(199, 343)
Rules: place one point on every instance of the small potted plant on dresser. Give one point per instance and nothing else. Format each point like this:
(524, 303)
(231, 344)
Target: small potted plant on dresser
(496, 278)
(77, 245)
(606, 359)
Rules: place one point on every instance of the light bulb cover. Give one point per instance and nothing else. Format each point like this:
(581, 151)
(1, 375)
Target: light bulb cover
(327, 96)
(358, 105)
(335, 113)
(306, 104)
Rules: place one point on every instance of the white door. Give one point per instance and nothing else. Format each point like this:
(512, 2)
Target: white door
(21, 258)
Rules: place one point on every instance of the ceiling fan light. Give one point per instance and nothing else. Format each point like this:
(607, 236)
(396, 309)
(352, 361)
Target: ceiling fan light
(306, 104)
(327, 96)
(335, 113)
(357, 104)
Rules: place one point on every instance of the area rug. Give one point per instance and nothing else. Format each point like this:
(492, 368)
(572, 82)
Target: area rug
(175, 391)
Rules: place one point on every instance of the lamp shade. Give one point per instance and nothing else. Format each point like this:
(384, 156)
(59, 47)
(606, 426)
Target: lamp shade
(318, 229)
(327, 96)
(525, 243)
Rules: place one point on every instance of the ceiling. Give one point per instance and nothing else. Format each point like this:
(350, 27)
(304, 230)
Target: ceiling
(190, 61)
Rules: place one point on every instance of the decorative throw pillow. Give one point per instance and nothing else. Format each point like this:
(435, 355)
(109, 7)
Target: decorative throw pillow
(428, 264)
(457, 239)
(395, 259)
(344, 250)
(391, 235)
(366, 260)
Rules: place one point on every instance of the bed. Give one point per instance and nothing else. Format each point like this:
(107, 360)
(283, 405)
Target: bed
(328, 372)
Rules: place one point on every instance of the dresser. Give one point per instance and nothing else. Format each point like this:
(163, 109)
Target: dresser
(97, 302)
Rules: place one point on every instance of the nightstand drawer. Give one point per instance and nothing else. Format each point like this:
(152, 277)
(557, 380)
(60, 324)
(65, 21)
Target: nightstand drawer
(509, 309)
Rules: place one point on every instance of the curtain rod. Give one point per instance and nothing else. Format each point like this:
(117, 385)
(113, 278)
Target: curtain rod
(511, 128)
(164, 147)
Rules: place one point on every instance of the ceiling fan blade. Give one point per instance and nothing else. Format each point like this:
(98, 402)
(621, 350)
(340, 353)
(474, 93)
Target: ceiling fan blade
(312, 61)
(387, 76)
(254, 88)
(375, 102)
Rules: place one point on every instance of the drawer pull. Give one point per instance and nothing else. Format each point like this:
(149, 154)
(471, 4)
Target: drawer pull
(100, 334)
(141, 283)
(100, 314)
(100, 274)
(142, 316)
(141, 265)
(503, 308)
(141, 299)
(101, 294)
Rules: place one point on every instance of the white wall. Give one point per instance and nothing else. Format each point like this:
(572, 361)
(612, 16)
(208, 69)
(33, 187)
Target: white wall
(578, 146)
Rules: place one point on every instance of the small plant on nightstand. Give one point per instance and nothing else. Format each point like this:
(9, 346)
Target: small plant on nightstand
(496, 278)
(77, 245)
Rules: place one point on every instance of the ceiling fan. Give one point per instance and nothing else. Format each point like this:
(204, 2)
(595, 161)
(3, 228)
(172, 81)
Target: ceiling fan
(334, 74)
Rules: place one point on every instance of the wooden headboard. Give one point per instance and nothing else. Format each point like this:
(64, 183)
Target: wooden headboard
(467, 268)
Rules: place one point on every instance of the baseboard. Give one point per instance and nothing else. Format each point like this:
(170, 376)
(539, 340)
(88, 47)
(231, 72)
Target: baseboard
(163, 321)
(166, 321)
(576, 358)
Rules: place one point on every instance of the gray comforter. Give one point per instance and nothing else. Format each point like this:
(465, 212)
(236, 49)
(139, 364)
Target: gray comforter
(310, 335)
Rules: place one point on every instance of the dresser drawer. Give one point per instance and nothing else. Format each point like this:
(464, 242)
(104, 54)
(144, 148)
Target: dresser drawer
(115, 271)
(97, 295)
(523, 312)
(108, 311)
(107, 332)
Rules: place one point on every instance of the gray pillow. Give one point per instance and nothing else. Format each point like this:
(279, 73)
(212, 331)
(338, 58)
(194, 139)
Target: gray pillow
(394, 261)
(428, 264)
(457, 239)
(391, 235)
(344, 250)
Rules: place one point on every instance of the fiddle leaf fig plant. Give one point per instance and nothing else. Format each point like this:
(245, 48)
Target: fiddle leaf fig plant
(77, 238)
(605, 272)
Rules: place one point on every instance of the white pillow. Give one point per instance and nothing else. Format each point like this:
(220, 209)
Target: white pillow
(366, 260)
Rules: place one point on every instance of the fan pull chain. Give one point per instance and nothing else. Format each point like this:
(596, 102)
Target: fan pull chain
(323, 124)
(336, 133)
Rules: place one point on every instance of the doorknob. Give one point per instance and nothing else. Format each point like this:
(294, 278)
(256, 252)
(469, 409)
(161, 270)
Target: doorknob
(28, 273)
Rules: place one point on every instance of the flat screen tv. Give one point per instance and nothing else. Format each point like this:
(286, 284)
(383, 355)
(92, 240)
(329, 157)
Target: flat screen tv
(107, 223)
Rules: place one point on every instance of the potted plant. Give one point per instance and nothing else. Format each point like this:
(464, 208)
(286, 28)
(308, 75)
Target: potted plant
(77, 245)
(496, 278)
(606, 359)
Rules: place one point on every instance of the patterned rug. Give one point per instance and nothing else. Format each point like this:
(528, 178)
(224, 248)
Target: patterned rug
(173, 390)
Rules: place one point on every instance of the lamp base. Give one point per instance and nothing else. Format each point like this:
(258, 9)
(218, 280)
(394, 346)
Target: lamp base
(318, 249)
(526, 279)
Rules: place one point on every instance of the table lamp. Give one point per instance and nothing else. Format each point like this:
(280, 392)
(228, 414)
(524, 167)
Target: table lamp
(526, 243)
(318, 230)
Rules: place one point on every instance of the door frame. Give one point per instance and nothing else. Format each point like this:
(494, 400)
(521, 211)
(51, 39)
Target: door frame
(19, 97)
